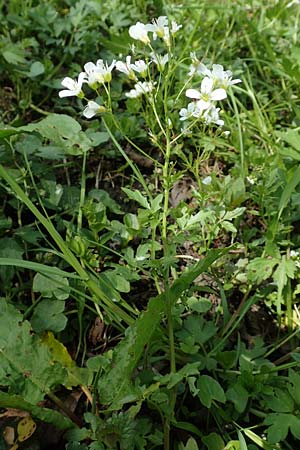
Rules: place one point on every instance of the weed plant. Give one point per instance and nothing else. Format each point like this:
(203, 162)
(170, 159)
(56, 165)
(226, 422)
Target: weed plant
(149, 254)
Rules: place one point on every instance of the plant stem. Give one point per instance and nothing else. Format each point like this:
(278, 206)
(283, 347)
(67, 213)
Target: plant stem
(82, 192)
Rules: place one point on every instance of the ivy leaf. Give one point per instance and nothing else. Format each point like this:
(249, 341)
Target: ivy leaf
(48, 315)
(51, 286)
(209, 390)
(280, 424)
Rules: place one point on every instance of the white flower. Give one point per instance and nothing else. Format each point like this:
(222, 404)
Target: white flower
(175, 27)
(141, 67)
(105, 70)
(140, 88)
(197, 66)
(92, 109)
(158, 27)
(98, 73)
(73, 86)
(129, 68)
(139, 31)
(125, 67)
(192, 111)
(92, 74)
(222, 78)
(160, 60)
(207, 94)
(211, 115)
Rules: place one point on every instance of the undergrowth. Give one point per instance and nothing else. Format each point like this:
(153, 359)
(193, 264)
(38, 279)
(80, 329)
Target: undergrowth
(149, 254)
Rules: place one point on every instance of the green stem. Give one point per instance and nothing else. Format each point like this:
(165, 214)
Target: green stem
(82, 191)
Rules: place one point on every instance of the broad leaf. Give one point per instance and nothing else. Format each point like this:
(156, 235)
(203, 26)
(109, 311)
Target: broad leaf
(48, 315)
(26, 365)
(280, 424)
(209, 390)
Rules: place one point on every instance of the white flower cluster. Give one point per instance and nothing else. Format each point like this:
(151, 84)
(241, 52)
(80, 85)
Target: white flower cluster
(100, 74)
(213, 88)
(159, 27)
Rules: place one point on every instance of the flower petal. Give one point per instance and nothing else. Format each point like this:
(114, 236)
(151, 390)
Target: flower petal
(193, 93)
(218, 94)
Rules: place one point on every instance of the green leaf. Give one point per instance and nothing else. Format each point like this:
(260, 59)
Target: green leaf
(37, 267)
(286, 269)
(260, 269)
(281, 401)
(209, 390)
(200, 305)
(280, 424)
(137, 196)
(293, 181)
(54, 286)
(238, 395)
(291, 136)
(198, 328)
(243, 445)
(213, 442)
(191, 444)
(48, 315)
(75, 375)
(115, 386)
(294, 387)
(44, 414)
(36, 69)
(26, 365)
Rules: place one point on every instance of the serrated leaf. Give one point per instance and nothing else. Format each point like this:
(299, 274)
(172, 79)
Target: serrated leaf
(294, 387)
(200, 305)
(209, 390)
(286, 269)
(26, 365)
(198, 328)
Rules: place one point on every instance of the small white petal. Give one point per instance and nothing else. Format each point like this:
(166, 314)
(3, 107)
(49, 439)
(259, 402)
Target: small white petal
(218, 94)
(193, 93)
